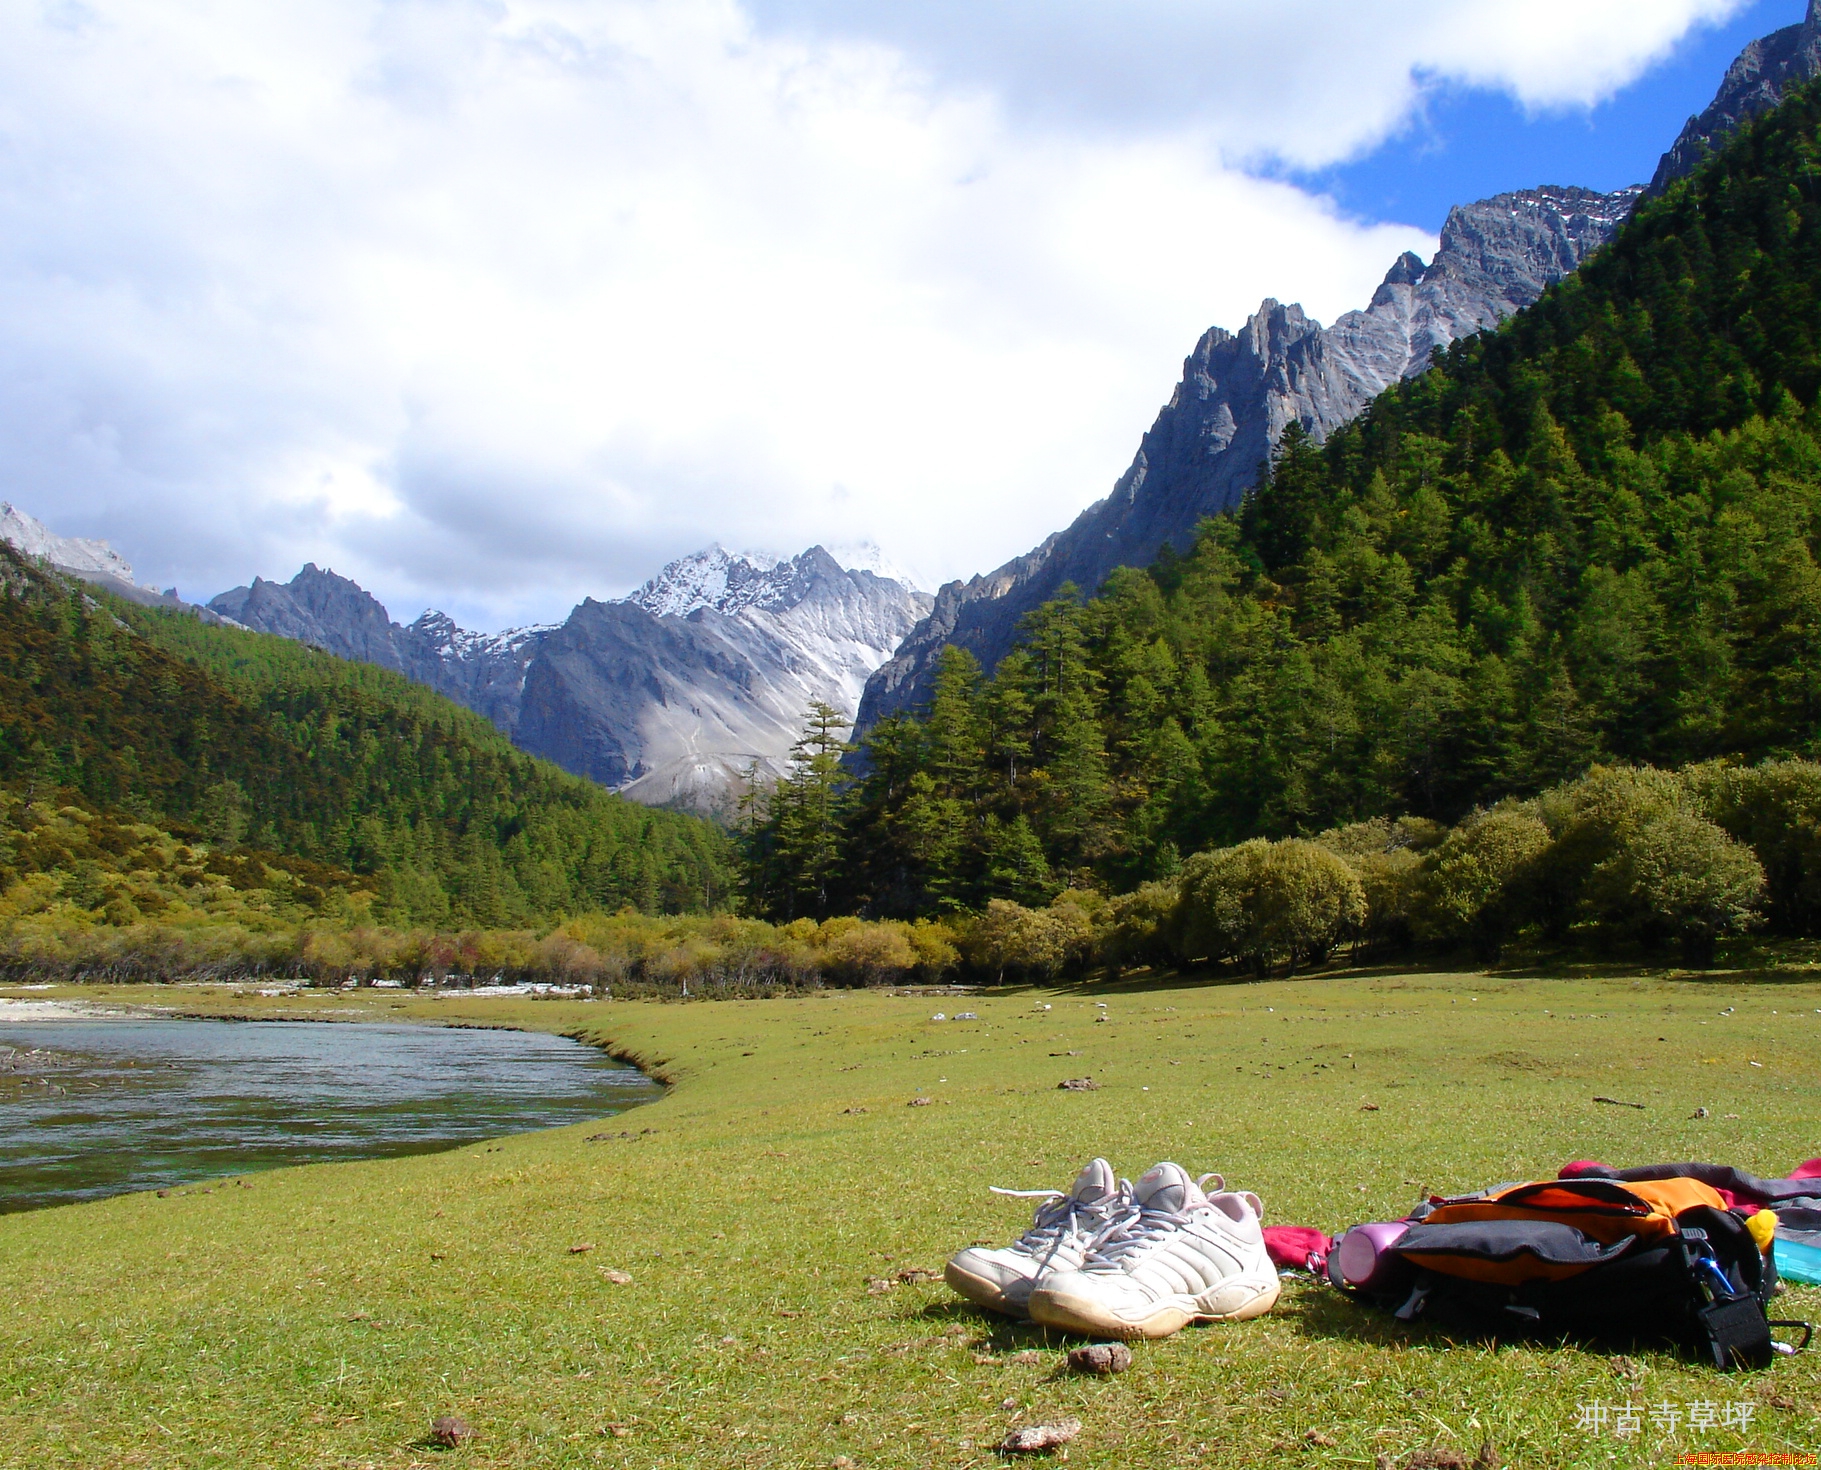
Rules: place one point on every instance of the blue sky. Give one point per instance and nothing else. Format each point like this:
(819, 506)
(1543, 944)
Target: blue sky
(1466, 143)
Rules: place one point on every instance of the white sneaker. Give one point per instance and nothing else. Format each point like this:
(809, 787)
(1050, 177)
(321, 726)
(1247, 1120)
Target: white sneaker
(1060, 1237)
(1179, 1256)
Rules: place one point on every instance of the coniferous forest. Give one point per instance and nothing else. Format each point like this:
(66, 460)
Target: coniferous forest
(265, 765)
(1588, 537)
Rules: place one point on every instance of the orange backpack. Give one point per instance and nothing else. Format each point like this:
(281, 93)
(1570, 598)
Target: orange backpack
(1587, 1257)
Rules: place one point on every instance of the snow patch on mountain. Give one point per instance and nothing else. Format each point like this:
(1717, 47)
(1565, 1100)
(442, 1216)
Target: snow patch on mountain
(438, 632)
(31, 537)
(726, 581)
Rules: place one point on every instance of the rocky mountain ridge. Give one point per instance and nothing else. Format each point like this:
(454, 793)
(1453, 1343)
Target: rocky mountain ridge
(1237, 394)
(1239, 391)
(90, 560)
(1755, 82)
(669, 695)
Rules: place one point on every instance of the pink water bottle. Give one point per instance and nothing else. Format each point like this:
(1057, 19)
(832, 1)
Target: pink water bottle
(1364, 1259)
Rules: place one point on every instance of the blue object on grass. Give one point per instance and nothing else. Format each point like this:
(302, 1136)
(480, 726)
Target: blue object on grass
(1797, 1262)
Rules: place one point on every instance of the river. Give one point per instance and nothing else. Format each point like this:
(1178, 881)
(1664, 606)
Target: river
(99, 1107)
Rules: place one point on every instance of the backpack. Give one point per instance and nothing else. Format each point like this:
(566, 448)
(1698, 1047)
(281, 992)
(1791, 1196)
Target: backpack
(1587, 1257)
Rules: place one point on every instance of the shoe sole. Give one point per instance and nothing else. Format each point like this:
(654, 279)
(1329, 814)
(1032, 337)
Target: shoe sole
(981, 1292)
(1085, 1316)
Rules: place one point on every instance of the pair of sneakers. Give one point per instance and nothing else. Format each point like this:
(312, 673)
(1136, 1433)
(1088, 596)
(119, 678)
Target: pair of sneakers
(1116, 1259)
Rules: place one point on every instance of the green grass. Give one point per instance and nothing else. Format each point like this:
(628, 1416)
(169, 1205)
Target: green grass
(323, 1316)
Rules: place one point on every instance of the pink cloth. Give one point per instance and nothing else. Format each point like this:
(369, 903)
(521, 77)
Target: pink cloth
(1809, 1170)
(1297, 1247)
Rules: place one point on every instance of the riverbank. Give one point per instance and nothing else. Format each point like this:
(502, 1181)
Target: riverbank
(322, 1316)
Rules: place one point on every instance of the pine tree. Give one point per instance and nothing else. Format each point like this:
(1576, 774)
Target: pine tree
(806, 814)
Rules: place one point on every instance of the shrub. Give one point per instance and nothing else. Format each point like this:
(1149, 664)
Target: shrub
(870, 954)
(1677, 874)
(1135, 929)
(1267, 901)
(1776, 809)
(1472, 885)
(1038, 943)
(1387, 856)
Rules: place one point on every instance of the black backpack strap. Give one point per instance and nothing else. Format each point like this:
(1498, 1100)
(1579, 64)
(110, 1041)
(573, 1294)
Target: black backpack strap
(1729, 1325)
(1734, 1332)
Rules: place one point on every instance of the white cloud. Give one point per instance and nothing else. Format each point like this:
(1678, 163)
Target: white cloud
(497, 304)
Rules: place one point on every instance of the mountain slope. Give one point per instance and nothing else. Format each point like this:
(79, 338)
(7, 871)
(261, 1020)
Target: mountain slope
(668, 696)
(1756, 81)
(484, 672)
(1237, 395)
(250, 741)
(707, 671)
(95, 562)
(1591, 535)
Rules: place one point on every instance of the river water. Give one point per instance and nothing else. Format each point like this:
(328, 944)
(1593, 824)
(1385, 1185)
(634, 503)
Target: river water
(91, 1108)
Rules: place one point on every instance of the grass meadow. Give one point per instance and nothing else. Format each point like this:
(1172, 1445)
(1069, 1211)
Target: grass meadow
(767, 1208)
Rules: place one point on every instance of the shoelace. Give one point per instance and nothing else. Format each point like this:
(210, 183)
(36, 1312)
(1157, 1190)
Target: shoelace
(1141, 1228)
(1065, 1218)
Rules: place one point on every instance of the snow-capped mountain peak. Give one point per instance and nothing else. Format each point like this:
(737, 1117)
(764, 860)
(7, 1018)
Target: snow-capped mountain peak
(714, 577)
(733, 581)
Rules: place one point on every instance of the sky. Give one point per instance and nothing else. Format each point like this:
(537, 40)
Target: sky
(495, 304)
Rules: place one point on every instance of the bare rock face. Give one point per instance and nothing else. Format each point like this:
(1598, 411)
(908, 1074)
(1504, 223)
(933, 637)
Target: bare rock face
(704, 674)
(1755, 82)
(484, 671)
(318, 608)
(669, 696)
(1239, 392)
(94, 562)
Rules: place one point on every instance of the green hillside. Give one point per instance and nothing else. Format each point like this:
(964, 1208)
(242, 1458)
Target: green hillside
(1588, 536)
(173, 743)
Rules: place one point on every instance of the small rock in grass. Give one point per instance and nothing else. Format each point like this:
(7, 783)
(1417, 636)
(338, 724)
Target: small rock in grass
(1029, 1358)
(581, 1250)
(841, 1462)
(1078, 1084)
(617, 1277)
(164, 1194)
(911, 1275)
(449, 1431)
(853, 1112)
(1035, 1438)
(918, 1102)
(1103, 1358)
(1317, 1438)
(878, 1286)
(1697, 1113)
(1368, 1107)
(618, 1431)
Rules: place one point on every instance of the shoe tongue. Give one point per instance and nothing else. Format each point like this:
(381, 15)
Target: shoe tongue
(1167, 1187)
(1096, 1182)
